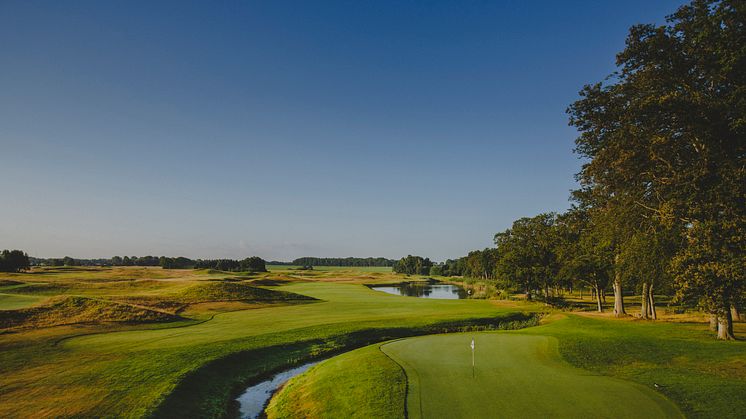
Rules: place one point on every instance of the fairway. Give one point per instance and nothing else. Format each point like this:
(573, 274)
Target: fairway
(515, 376)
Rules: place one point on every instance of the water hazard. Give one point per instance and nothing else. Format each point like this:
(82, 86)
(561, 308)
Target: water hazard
(424, 290)
(255, 398)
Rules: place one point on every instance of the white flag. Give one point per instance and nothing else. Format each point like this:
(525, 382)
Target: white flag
(472, 344)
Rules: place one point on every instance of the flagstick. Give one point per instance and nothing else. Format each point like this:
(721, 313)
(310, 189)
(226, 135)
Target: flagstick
(472, 358)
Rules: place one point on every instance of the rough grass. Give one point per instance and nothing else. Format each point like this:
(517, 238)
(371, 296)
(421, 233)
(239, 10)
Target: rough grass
(214, 292)
(232, 291)
(703, 376)
(348, 385)
(9, 282)
(76, 310)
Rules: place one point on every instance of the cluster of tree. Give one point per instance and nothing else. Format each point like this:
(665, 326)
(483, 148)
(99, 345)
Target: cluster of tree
(451, 267)
(179, 262)
(665, 141)
(135, 261)
(351, 261)
(14, 261)
(662, 197)
(65, 261)
(413, 265)
(253, 264)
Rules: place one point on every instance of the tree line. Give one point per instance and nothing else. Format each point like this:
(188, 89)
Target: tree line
(253, 263)
(349, 261)
(662, 197)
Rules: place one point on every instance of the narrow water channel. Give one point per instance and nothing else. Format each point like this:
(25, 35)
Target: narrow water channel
(255, 398)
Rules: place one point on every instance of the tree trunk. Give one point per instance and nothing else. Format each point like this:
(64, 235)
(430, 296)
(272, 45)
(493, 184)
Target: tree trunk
(528, 293)
(737, 316)
(581, 293)
(725, 327)
(651, 303)
(644, 310)
(597, 292)
(603, 294)
(618, 298)
(713, 321)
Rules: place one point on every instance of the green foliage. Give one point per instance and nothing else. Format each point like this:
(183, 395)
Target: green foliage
(14, 261)
(528, 253)
(664, 143)
(413, 265)
(175, 263)
(350, 261)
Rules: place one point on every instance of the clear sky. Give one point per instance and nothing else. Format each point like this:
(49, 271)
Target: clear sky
(285, 129)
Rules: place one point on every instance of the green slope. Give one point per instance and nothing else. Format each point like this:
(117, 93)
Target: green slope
(348, 385)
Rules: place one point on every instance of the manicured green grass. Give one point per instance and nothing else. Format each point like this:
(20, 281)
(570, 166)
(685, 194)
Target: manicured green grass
(704, 377)
(516, 377)
(53, 372)
(573, 366)
(360, 374)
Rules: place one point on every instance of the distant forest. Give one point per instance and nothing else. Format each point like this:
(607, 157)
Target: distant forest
(314, 261)
(252, 263)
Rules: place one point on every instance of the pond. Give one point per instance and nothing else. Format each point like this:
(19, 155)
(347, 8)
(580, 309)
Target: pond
(430, 289)
(255, 398)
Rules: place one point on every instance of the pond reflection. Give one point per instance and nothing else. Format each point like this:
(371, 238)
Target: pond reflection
(424, 290)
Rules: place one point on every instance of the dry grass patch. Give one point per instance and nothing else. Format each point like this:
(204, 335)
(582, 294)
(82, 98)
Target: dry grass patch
(75, 310)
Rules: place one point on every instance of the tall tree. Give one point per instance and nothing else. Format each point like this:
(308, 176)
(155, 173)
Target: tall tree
(666, 132)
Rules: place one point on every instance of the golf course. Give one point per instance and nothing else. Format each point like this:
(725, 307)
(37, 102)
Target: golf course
(373, 209)
(152, 342)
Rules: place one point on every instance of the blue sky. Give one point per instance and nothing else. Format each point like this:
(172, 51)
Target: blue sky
(286, 129)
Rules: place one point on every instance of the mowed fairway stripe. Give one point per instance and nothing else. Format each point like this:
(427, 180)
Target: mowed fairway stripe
(515, 377)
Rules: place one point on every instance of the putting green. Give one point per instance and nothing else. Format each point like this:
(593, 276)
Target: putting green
(515, 376)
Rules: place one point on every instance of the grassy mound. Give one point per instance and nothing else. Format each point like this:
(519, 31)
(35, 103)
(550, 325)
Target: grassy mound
(363, 383)
(75, 310)
(234, 291)
(213, 292)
